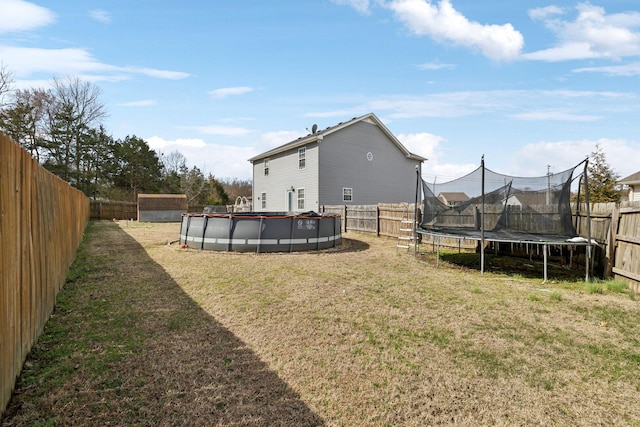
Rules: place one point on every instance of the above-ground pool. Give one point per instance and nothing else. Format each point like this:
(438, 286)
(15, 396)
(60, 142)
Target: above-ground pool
(261, 231)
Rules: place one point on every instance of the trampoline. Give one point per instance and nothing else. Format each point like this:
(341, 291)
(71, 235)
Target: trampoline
(486, 206)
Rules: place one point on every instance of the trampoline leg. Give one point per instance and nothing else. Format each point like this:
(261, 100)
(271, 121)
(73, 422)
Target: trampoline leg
(544, 248)
(570, 257)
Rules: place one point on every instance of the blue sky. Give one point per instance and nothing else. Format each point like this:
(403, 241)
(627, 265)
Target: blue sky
(527, 84)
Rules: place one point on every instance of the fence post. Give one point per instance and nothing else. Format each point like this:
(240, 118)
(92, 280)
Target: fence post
(345, 218)
(612, 235)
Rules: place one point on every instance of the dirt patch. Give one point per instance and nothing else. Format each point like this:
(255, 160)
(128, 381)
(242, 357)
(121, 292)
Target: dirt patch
(365, 335)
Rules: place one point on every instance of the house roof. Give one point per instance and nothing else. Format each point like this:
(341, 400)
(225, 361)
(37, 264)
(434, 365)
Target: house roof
(320, 134)
(457, 196)
(631, 179)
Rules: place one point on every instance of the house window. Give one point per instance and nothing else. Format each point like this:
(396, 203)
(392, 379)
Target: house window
(263, 200)
(302, 161)
(347, 194)
(300, 198)
(266, 167)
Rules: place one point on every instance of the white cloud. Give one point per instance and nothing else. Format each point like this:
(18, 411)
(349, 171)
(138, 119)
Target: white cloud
(429, 146)
(592, 34)
(433, 66)
(565, 52)
(101, 16)
(27, 61)
(362, 6)
(444, 23)
(555, 115)
(223, 161)
(423, 144)
(156, 142)
(627, 70)
(544, 12)
(229, 91)
(223, 130)
(334, 113)
(621, 155)
(72, 61)
(19, 15)
(274, 139)
(141, 103)
(160, 74)
(448, 104)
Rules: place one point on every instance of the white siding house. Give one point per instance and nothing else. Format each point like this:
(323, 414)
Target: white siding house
(358, 162)
(633, 181)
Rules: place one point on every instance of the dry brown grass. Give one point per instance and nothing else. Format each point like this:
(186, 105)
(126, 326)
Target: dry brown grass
(356, 337)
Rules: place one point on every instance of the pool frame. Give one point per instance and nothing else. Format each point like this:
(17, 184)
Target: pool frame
(261, 231)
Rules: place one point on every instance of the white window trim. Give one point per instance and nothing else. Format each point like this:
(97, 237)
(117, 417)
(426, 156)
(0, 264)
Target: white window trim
(302, 158)
(266, 167)
(344, 194)
(298, 191)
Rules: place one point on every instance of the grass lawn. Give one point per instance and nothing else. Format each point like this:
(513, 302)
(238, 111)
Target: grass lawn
(146, 333)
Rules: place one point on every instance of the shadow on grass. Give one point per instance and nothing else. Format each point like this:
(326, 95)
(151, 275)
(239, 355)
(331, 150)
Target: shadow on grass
(351, 245)
(513, 266)
(126, 346)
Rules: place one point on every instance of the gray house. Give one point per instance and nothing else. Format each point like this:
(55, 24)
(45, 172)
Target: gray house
(358, 162)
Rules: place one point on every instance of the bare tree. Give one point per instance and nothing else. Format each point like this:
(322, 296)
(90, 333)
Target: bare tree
(23, 120)
(83, 98)
(174, 162)
(6, 82)
(74, 113)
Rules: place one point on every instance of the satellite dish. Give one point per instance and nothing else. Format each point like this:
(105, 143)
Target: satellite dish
(314, 128)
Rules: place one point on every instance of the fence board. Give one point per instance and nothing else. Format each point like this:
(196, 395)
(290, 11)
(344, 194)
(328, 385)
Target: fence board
(42, 220)
(109, 209)
(627, 247)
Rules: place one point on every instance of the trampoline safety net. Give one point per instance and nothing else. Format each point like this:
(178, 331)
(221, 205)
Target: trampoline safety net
(510, 208)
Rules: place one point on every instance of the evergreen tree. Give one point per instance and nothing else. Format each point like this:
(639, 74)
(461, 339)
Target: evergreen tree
(137, 168)
(216, 193)
(602, 179)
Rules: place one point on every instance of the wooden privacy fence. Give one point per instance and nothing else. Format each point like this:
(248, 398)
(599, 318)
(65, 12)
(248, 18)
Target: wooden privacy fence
(108, 209)
(42, 220)
(383, 219)
(624, 245)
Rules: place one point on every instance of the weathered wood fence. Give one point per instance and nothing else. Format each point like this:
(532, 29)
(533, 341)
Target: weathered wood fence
(624, 245)
(42, 220)
(383, 219)
(108, 209)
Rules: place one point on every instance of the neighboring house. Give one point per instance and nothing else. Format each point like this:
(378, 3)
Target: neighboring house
(633, 181)
(453, 198)
(358, 162)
